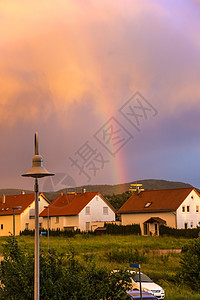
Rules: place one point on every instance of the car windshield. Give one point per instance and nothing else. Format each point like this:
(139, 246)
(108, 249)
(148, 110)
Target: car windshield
(144, 278)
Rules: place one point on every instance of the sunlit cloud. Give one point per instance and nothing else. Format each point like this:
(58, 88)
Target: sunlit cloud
(67, 67)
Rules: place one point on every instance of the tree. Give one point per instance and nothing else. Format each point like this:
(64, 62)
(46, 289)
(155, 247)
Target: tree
(118, 200)
(190, 264)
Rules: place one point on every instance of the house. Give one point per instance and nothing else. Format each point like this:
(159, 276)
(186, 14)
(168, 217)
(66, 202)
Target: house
(24, 217)
(84, 211)
(177, 208)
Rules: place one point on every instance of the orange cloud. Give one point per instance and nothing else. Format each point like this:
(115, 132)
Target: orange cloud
(103, 50)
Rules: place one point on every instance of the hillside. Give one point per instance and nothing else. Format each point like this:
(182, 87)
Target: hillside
(109, 190)
(13, 191)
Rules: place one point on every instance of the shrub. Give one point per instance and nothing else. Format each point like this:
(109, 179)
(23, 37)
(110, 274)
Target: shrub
(53, 232)
(121, 229)
(27, 232)
(126, 256)
(16, 273)
(188, 233)
(61, 277)
(190, 264)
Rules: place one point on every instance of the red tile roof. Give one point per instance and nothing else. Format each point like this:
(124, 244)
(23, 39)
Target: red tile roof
(23, 200)
(71, 204)
(156, 200)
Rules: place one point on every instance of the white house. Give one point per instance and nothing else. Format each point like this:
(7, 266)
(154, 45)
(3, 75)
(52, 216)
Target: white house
(177, 208)
(24, 217)
(84, 211)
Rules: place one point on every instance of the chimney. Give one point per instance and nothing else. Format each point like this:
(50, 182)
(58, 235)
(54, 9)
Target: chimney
(83, 190)
(22, 192)
(3, 199)
(139, 189)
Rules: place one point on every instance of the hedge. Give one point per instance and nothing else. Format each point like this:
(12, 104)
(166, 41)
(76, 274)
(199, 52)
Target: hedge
(121, 229)
(188, 233)
(57, 232)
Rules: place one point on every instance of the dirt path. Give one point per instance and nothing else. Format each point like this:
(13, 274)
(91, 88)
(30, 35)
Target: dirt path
(164, 251)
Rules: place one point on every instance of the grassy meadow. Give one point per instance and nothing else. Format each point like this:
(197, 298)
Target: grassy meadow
(159, 256)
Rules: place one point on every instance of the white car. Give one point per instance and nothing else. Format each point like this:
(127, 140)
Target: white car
(147, 285)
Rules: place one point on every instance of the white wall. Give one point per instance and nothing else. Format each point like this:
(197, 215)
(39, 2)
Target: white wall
(140, 218)
(96, 213)
(25, 215)
(63, 221)
(192, 217)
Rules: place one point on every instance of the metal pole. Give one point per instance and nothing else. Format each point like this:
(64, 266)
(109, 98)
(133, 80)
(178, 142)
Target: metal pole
(14, 226)
(140, 283)
(48, 226)
(41, 242)
(37, 272)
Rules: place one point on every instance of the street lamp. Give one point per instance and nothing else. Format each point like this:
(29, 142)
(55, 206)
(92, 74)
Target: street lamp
(37, 171)
(14, 208)
(47, 224)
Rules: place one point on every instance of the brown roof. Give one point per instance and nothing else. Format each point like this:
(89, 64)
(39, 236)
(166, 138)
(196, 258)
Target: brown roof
(23, 200)
(71, 204)
(156, 200)
(155, 219)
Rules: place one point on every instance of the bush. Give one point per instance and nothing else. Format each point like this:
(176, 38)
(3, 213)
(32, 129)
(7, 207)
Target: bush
(188, 233)
(27, 232)
(126, 256)
(190, 264)
(125, 230)
(57, 232)
(61, 277)
(16, 273)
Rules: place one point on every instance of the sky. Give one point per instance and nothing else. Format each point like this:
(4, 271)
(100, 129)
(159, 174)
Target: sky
(111, 87)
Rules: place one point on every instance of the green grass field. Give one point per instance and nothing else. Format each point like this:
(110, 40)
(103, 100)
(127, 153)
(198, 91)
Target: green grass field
(161, 257)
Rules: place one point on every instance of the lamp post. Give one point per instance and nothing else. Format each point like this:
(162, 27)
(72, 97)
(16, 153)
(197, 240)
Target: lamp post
(47, 224)
(14, 208)
(37, 171)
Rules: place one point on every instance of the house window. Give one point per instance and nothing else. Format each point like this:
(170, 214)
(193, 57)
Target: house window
(105, 210)
(186, 225)
(188, 208)
(87, 226)
(156, 229)
(183, 208)
(69, 228)
(148, 204)
(57, 219)
(191, 224)
(145, 228)
(87, 210)
(197, 208)
(32, 213)
(27, 226)
(1, 226)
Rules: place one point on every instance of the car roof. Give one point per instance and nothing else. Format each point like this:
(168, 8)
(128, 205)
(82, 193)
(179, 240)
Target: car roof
(135, 294)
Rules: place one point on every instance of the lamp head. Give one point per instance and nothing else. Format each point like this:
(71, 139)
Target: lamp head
(17, 207)
(38, 170)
